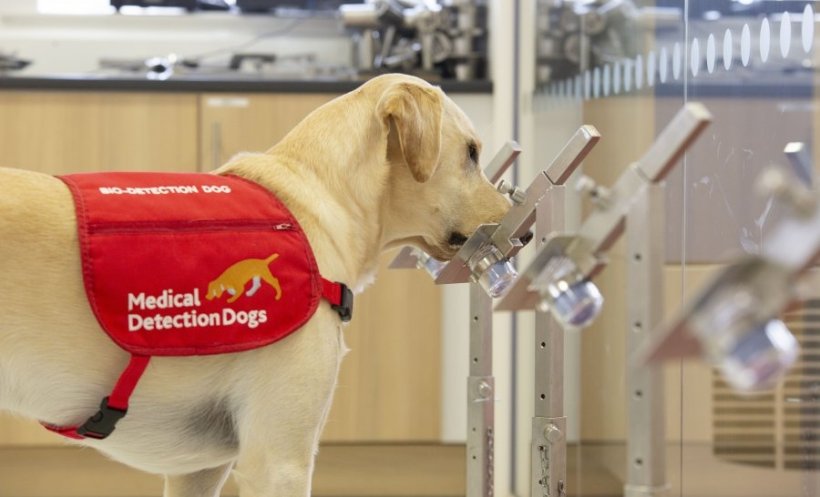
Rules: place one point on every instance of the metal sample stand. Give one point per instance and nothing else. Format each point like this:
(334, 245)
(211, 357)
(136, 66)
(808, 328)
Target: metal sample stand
(480, 383)
(544, 204)
(480, 396)
(646, 443)
(548, 453)
(635, 200)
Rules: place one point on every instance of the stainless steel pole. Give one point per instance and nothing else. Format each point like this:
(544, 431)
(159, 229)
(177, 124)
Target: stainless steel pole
(646, 442)
(549, 446)
(480, 396)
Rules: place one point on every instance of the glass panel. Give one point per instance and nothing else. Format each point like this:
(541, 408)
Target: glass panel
(627, 67)
(752, 64)
(620, 65)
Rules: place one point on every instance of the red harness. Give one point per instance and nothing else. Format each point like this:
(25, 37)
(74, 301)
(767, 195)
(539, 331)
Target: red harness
(190, 264)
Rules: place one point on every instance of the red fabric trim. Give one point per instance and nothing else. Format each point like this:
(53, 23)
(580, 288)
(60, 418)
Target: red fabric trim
(66, 431)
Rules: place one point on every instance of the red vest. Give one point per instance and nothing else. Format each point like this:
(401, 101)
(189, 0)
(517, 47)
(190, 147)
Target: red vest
(190, 264)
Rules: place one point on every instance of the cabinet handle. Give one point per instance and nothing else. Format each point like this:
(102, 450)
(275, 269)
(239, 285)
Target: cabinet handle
(216, 145)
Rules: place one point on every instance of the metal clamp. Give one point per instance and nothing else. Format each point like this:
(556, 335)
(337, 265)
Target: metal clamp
(513, 232)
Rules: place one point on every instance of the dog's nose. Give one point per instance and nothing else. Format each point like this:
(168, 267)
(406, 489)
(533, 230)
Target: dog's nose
(456, 239)
(526, 238)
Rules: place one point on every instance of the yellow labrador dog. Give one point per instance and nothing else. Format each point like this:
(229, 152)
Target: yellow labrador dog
(393, 162)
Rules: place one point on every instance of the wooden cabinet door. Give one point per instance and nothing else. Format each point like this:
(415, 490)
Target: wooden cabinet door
(249, 122)
(62, 132)
(390, 383)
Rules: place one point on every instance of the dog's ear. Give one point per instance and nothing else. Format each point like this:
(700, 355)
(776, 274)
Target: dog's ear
(416, 114)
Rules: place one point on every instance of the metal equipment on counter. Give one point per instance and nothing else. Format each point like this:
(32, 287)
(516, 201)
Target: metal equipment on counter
(558, 280)
(734, 319)
(446, 38)
(252, 65)
(10, 62)
(572, 36)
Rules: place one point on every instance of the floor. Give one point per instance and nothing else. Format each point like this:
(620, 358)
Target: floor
(594, 470)
(341, 471)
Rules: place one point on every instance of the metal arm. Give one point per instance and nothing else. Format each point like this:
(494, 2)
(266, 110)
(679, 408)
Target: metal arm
(602, 228)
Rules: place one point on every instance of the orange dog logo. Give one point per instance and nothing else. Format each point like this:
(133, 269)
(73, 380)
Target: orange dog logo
(234, 279)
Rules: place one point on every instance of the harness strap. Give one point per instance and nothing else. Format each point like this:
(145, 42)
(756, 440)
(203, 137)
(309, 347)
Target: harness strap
(114, 407)
(340, 298)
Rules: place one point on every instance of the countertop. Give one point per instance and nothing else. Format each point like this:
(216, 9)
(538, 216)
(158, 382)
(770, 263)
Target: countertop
(209, 84)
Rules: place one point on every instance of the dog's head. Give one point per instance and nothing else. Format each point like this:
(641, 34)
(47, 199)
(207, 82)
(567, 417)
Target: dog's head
(438, 194)
(215, 290)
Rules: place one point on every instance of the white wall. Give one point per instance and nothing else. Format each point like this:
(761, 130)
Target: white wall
(75, 43)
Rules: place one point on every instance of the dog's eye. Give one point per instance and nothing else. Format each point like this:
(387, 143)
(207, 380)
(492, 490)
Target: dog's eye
(472, 151)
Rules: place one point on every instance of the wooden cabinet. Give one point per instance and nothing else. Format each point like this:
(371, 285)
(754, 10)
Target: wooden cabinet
(389, 388)
(249, 122)
(58, 132)
(390, 383)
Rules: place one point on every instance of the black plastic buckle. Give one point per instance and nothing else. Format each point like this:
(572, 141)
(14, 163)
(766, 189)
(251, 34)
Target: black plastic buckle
(102, 424)
(345, 308)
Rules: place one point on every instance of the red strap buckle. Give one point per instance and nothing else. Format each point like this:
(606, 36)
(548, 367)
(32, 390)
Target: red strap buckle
(340, 298)
(102, 424)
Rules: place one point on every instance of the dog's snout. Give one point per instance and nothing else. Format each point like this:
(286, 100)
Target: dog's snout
(527, 237)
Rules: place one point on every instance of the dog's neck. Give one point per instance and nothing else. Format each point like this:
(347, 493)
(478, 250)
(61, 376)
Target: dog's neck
(339, 199)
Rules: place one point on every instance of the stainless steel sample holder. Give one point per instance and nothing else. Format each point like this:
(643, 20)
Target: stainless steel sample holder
(480, 382)
(505, 238)
(635, 203)
(548, 439)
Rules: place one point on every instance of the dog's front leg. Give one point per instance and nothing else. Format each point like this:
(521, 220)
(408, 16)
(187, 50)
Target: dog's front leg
(270, 472)
(206, 483)
(282, 406)
(276, 455)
